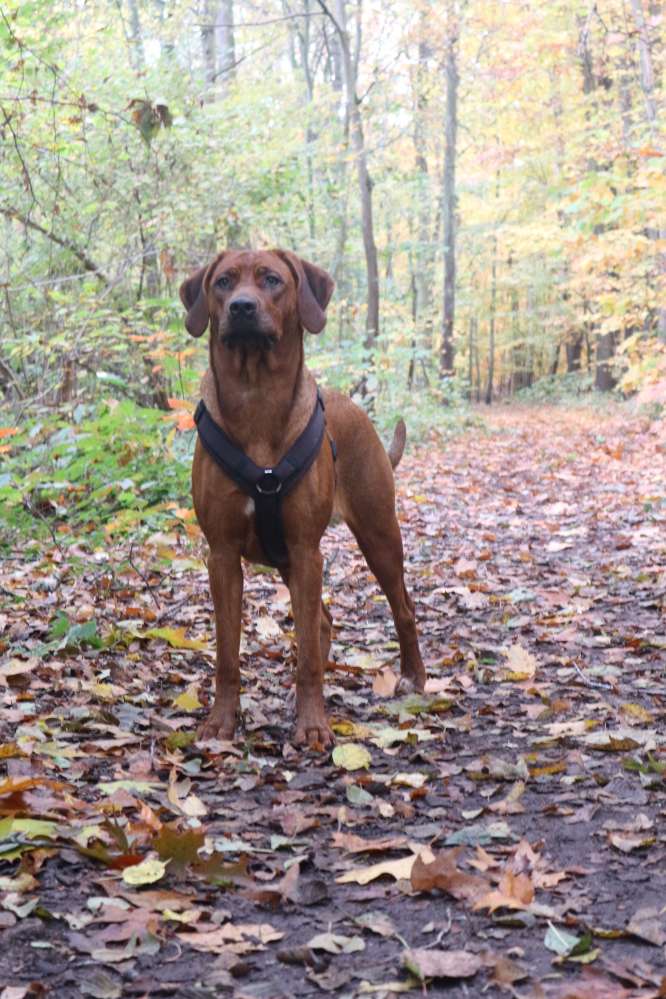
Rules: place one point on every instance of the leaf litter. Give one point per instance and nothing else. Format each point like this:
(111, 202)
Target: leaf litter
(504, 831)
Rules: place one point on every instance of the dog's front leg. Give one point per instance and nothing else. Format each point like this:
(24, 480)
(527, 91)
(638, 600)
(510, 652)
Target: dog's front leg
(226, 587)
(305, 575)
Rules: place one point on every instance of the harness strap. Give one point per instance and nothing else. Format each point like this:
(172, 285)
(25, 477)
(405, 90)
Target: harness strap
(266, 486)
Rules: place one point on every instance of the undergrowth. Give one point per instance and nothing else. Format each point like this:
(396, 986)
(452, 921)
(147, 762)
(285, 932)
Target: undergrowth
(94, 470)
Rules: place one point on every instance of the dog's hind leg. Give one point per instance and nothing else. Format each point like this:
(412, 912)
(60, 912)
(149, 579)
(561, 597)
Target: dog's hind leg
(382, 548)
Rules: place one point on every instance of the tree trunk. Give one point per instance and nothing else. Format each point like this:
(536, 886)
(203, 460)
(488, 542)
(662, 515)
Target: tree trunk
(604, 380)
(574, 351)
(300, 29)
(477, 365)
(647, 71)
(225, 45)
(340, 170)
(473, 326)
(449, 198)
(491, 327)
(167, 46)
(493, 304)
(349, 69)
(207, 35)
(647, 87)
(422, 262)
(137, 53)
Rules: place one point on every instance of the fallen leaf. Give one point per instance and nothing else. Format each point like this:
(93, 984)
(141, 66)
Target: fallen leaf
(145, 873)
(334, 943)
(442, 874)
(649, 924)
(384, 682)
(357, 844)
(442, 963)
(351, 756)
(514, 891)
(175, 637)
(377, 922)
(240, 938)
(188, 700)
(520, 664)
(397, 869)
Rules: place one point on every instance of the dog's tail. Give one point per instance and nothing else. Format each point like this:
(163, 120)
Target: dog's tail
(397, 447)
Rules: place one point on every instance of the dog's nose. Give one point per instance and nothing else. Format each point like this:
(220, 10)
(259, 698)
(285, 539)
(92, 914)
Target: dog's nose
(243, 308)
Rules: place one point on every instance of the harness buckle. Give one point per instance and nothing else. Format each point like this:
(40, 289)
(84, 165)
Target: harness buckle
(269, 478)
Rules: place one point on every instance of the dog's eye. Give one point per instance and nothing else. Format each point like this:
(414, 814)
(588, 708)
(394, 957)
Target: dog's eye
(272, 280)
(224, 281)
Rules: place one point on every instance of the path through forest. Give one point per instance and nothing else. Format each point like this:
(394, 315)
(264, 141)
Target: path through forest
(503, 835)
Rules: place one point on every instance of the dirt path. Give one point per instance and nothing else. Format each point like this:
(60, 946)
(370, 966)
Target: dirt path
(529, 783)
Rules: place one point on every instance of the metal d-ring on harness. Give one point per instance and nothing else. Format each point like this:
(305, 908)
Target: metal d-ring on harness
(266, 486)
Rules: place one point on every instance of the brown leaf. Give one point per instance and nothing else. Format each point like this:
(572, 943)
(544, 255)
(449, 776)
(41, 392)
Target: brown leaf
(357, 844)
(442, 963)
(515, 891)
(443, 874)
(239, 939)
(384, 682)
(285, 890)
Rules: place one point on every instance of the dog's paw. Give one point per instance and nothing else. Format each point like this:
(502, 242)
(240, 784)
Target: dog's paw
(315, 733)
(410, 684)
(217, 726)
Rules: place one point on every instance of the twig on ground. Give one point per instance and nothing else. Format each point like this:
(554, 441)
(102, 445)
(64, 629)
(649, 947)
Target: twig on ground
(151, 589)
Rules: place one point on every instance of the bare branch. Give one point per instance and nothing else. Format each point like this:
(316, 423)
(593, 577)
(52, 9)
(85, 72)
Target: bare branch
(66, 244)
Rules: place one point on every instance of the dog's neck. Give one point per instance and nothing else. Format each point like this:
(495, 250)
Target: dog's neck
(261, 398)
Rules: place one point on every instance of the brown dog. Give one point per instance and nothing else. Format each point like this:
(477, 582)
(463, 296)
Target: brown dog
(260, 392)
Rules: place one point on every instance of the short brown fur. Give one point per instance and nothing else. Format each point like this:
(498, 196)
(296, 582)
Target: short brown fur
(260, 391)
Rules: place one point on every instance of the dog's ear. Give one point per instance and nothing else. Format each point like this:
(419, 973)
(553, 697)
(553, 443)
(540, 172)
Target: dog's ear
(194, 296)
(315, 287)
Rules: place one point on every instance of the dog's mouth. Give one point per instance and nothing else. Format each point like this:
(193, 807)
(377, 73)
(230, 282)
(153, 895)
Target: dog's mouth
(248, 335)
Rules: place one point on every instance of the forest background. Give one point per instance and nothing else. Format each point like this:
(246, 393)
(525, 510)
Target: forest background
(484, 179)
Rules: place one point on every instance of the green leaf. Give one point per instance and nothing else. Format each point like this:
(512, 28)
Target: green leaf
(479, 835)
(358, 796)
(559, 941)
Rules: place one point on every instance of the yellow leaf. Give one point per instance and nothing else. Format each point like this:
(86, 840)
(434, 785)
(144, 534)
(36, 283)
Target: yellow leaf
(636, 714)
(343, 727)
(352, 756)
(175, 637)
(188, 700)
(145, 873)
(103, 690)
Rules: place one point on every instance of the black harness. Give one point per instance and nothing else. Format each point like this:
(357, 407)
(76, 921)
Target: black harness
(266, 486)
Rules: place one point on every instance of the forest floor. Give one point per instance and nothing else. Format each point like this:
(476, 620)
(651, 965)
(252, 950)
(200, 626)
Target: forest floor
(503, 835)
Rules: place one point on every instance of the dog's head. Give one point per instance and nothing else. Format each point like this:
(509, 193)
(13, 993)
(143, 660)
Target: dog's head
(253, 298)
